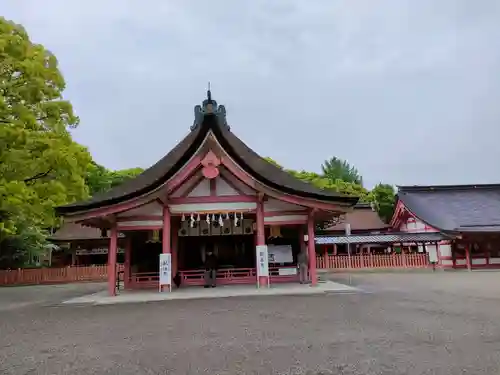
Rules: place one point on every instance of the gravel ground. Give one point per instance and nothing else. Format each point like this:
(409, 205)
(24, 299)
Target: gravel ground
(430, 323)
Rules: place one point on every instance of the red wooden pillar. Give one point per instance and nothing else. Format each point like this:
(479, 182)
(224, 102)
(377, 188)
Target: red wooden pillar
(166, 238)
(303, 245)
(175, 251)
(261, 236)
(166, 235)
(468, 257)
(113, 247)
(127, 262)
(311, 249)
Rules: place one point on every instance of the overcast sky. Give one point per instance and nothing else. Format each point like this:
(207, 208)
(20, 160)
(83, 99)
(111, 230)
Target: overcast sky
(408, 91)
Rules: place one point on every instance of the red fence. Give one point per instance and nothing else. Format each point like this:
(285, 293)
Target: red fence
(100, 273)
(224, 277)
(373, 261)
(30, 276)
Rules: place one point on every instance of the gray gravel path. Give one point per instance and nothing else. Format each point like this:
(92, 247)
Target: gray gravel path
(403, 324)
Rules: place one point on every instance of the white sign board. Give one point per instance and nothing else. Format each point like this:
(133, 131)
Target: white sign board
(280, 254)
(165, 269)
(262, 261)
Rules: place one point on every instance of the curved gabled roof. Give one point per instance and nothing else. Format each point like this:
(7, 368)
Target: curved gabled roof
(251, 162)
(455, 208)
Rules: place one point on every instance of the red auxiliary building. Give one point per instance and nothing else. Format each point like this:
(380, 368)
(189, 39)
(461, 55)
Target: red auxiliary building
(467, 215)
(210, 191)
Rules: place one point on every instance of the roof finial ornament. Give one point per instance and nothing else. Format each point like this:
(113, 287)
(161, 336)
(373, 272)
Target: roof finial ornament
(209, 107)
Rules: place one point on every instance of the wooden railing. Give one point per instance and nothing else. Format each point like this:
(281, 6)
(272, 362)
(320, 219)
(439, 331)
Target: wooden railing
(196, 277)
(226, 276)
(33, 276)
(372, 261)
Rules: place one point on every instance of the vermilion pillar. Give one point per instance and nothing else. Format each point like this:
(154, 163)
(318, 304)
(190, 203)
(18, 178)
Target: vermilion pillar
(261, 236)
(113, 246)
(166, 231)
(175, 250)
(311, 249)
(166, 235)
(127, 262)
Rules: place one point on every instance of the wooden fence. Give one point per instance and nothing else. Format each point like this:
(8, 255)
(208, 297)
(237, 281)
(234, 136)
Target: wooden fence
(372, 261)
(32, 276)
(100, 272)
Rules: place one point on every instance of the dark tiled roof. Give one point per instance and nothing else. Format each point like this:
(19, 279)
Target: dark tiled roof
(256, 166)
(455, 208)
(147, 180)
(382, 238)
(363, 218)
(271, 175)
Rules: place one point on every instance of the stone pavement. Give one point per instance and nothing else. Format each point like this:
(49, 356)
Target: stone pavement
(102, 297)
(412, 324)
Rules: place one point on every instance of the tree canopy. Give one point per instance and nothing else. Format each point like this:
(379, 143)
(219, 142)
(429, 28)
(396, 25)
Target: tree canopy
(339, 176)
(338, 169)
(99, 179)
(40, 165)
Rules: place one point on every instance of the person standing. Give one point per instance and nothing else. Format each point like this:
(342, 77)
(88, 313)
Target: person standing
(210, 270)
(303, 266)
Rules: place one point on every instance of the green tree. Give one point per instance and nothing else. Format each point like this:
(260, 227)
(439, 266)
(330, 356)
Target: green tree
(99, 179)
(335, 168)
(120, 176)
(40, 165)
(273, 162)
(326, 183)
(384, 198)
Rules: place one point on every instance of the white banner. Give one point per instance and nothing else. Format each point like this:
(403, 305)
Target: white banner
(165, 269)
(262, 261)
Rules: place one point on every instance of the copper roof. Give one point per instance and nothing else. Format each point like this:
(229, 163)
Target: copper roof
(362, 218)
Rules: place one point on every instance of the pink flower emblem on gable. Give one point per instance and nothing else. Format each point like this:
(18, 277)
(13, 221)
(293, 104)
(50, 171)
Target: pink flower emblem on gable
(210, 164)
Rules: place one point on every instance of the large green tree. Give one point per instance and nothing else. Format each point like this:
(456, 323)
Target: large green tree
(384, 198)
(99, 179)
(339, 169)
(326, 183)
(382, 195)
(40, 165)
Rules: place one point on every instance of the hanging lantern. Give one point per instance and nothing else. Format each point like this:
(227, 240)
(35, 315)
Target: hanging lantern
(183, 217)
(155, 236)
(275, 231)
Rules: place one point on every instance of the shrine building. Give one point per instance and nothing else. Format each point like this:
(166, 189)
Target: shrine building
(211, 192)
